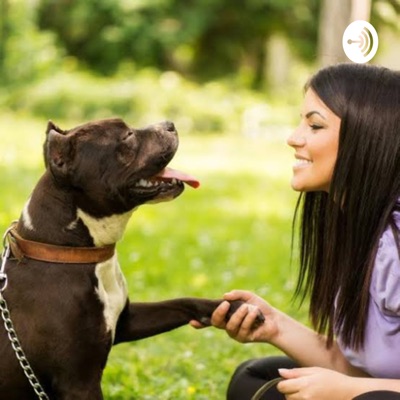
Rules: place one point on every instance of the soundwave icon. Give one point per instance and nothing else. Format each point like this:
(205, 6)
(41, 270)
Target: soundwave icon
(360, 41)
(364, 41)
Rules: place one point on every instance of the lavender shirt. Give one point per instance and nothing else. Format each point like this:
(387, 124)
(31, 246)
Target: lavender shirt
(380, 356)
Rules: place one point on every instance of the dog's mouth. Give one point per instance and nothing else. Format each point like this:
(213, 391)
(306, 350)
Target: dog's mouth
(172, 175)
(166, 185)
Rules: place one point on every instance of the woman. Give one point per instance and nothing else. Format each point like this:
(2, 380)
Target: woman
(347, 168)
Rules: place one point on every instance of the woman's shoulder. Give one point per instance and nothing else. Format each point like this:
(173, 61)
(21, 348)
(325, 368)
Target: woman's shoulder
(385, 281)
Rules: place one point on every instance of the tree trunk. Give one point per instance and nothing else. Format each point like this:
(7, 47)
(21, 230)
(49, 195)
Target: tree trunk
(4, 31)
(336, 15)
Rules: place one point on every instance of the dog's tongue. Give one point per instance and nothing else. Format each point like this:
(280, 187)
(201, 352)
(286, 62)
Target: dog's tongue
(169, 173)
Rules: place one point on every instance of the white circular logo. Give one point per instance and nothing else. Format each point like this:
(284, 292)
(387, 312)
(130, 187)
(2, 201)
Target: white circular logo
(360, 41)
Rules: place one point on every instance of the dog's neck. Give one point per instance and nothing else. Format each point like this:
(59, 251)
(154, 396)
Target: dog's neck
(106, 230)
(51, 216)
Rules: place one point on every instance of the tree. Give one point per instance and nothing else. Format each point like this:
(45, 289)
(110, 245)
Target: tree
(26, 54)
(4, 34)
(337, 15)
(203, 40)
(334, 18)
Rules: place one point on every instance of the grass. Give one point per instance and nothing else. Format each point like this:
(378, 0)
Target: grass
(233, 232)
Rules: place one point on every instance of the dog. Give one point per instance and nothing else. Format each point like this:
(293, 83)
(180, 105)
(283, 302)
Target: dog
(66, 295)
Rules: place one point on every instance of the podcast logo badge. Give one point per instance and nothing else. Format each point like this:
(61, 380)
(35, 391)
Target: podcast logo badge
(360, 41)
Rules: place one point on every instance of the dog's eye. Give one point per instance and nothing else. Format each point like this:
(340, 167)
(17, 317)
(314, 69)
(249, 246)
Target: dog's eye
(128, 135)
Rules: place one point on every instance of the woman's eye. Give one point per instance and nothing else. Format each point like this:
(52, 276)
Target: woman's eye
(315, 127)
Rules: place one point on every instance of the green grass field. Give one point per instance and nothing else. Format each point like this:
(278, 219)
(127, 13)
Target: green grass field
(232, 232)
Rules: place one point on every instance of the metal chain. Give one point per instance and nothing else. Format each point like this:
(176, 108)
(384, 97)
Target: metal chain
(4, 257)
(264, 388)
(9, 326)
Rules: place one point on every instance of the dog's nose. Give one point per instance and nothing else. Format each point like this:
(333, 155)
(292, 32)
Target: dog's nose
(169, 126)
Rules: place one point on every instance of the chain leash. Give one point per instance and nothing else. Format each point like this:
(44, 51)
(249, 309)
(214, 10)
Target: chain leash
(264, 388)
(9, 326)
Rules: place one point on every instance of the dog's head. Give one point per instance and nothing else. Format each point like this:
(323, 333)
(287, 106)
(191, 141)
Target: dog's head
(113, 168)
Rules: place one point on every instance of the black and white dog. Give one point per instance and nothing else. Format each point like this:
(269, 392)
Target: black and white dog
(66, 294)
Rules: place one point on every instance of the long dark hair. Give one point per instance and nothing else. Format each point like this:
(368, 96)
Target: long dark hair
(340, 230)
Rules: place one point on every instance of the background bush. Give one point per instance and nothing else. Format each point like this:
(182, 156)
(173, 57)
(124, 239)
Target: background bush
(144, 97)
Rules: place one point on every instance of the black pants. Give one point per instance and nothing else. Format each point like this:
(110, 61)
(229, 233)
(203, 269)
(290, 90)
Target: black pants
(252, 374)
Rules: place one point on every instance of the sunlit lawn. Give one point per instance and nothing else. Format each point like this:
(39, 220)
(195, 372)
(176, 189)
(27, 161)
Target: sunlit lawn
(233, 232)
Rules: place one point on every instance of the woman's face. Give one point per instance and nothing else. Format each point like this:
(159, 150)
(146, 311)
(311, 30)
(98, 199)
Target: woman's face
(315, 142)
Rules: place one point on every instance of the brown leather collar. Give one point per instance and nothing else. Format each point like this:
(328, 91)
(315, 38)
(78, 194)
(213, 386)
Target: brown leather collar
(22, 248)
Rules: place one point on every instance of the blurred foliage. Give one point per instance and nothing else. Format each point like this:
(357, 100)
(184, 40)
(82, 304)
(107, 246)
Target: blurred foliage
(142, 97)
(196, 61)
(205, 39)
(26, 53)
(202, 40)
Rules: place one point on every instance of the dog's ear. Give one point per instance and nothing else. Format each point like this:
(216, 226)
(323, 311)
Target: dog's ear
(52, 126)
(57, 153)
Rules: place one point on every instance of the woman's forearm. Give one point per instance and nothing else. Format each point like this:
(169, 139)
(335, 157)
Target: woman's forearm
(308, 348)
(364, 385)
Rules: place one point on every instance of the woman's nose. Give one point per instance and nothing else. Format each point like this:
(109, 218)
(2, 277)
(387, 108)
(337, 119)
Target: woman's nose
(296, 139)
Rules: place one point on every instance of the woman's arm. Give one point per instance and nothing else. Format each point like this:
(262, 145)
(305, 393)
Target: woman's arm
(299, 342)
(325, 384)
(308, 348)
(325, 372)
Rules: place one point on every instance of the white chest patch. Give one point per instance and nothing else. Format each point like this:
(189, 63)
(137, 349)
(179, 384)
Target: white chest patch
(26, 217)
(105, 230)
(112, 291)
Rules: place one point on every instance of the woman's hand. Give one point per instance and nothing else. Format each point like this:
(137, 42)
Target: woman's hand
(315, 384)
(241, 324)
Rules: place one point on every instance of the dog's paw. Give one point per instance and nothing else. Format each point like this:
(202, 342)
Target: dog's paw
(205, 318)
(235, 304)
(205, 321)
(204, 309)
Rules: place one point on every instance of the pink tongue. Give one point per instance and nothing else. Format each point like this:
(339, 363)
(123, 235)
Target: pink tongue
(169, 173)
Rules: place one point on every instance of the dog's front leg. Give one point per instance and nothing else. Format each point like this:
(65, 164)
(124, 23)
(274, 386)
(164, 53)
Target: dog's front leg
(141, 320)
